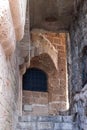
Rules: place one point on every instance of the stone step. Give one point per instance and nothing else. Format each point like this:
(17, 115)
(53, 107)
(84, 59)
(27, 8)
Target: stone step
(45, 123)
(29, 118)
(45, 126)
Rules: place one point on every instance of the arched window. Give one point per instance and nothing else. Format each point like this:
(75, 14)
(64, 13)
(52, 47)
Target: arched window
(35, 80)
(84, 66)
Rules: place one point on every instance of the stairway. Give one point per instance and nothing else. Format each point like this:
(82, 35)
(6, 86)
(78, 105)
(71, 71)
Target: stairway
(28, 122)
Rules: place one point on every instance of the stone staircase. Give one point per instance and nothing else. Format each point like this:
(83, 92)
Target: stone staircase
(28, 122)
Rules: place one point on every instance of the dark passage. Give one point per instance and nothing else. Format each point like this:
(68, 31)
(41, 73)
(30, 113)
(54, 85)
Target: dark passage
(35, 80)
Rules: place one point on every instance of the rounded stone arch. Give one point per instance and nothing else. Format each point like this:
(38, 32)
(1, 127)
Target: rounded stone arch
(40, 45)
(43, 62)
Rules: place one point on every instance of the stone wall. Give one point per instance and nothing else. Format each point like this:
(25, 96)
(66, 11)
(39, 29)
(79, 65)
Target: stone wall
(35, 103)
(57, 74)
(9, 91)
(46, 123)
(12, 21)
(78, 35)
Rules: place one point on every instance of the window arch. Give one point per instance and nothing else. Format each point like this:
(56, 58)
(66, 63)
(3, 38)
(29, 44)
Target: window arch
(35, 80)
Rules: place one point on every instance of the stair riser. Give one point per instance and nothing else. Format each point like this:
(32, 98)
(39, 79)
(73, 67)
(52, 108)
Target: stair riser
(46, 123)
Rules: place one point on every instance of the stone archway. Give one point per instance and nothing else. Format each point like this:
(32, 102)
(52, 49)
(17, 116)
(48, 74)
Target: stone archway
(50, 102)
(40, 45)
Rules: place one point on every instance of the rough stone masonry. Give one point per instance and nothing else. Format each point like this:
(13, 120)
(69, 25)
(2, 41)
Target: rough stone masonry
(50, 36)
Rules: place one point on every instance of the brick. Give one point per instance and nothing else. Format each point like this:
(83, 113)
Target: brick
(50, 39)
(56, 41)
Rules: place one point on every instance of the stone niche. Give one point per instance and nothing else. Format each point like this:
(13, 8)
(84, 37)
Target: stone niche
(55, 99)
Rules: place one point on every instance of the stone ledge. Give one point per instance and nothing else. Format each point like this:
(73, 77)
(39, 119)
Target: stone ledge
(61, 119)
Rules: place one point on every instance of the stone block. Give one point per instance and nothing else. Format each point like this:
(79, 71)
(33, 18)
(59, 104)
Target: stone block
(28, 118)
(25, 125)
(45, 125)
(27, 108)
(57, 118)
(35, 97)
(67, 119)
(63, 126)
(40, 110)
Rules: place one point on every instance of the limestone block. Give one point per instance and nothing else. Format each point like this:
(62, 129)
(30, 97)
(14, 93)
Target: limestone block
(67, 119)
(63, 126)
(35, 97)
(27, 100)
(27, 107)
(54, 108)
(40, 109)
(7, 34)
(27, 93)
(18, 10)
(50, 118)
(28, 118)
(45, 125)
(25, 125)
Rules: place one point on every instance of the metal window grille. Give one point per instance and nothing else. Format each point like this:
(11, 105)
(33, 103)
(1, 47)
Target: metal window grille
(35, 80)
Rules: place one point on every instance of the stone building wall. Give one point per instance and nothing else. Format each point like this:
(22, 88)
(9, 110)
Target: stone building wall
(35, 103)
(78, 39)
(12, 21)
(78, 36)
(54, 67)
(9, 91)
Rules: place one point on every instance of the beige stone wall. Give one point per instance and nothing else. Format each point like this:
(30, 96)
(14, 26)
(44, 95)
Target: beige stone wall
(9, 91)
(57, 75)
(35, 103)
(58, 80)
(12, 22)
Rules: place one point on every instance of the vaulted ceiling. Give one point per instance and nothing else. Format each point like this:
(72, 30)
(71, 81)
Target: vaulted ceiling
(52, 15)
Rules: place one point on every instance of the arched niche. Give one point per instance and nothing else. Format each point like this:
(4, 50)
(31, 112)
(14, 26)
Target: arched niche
(35, 80)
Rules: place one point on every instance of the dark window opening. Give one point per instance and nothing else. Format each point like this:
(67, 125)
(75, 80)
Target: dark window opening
(35, 80)
(84, 66)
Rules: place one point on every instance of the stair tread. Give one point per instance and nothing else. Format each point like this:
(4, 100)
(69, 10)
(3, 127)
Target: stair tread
(45, 122)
